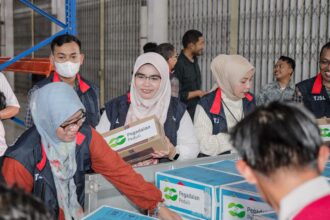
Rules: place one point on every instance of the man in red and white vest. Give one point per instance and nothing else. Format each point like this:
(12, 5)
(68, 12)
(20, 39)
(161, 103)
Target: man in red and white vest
(314, 92)
(283, 155)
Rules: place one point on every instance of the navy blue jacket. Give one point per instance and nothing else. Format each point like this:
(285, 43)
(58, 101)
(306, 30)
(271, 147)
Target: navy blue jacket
(29, 152)
(315, 97)
(88, 94)
(213, 107)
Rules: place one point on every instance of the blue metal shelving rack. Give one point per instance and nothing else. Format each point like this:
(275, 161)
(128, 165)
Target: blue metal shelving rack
(69, 27)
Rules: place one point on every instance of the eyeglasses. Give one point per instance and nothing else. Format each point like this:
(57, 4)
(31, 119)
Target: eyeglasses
(325, 62)
(78, 122)
(152, 78)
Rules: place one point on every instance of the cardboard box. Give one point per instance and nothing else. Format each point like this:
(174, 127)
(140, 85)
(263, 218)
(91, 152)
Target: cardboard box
(185, 216)
(227, 166)
(110, 213)
(266, 216)
(324, 124)
(136, 141)
(194, 190)
(241, 201)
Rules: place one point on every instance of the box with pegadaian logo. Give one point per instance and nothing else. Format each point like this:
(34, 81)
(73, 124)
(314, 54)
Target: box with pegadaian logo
(194, 190)
(136, 141)
(241, 201)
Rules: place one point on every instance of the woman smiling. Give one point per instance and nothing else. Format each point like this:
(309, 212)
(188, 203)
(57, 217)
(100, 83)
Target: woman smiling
(150, 94)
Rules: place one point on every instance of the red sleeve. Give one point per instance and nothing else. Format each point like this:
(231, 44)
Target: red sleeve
(108, 163)
(15, 173)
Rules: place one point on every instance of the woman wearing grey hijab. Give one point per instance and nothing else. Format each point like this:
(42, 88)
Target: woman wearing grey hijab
(50, 159)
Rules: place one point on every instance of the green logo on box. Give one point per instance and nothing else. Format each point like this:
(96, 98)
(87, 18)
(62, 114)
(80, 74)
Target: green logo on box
(236, 210)
(170, 193)
(114, 142)
(325, 132)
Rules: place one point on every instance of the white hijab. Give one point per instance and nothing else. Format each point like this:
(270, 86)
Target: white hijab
(157, 105)
(228, 70)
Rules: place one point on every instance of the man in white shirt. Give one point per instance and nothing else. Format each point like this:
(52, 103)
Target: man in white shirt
(283, 155)
(10, 110)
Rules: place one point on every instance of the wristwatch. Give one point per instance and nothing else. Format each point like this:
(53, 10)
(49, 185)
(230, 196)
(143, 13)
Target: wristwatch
(155, 212)
(174, 155)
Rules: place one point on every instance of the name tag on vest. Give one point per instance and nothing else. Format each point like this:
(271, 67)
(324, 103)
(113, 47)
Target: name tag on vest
(216, 120)
(319, 98)
(37, 177)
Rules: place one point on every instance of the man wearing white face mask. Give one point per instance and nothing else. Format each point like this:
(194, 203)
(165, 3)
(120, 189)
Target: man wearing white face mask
(66, 57)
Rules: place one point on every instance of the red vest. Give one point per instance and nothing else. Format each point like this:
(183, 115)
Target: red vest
(317, 210)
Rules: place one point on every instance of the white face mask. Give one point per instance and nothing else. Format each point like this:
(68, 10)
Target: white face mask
(67, 69)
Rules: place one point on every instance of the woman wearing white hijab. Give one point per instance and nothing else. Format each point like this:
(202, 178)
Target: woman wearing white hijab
(150, 94)
(227, 104)
(51, 159)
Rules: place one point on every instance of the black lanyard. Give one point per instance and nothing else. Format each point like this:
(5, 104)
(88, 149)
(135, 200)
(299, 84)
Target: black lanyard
(231, 111)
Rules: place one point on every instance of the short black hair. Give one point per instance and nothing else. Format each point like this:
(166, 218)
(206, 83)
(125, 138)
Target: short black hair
(191, 36)
(63, 39)
(149, 47)
(277, 136)
(166, 50)
(16, 204)
(289, 61)
(324, 47)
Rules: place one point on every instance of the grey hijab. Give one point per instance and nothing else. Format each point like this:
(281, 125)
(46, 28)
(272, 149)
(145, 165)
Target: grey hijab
(50, 106)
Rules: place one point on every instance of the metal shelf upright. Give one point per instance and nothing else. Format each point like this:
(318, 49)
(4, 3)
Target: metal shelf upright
(69, 27)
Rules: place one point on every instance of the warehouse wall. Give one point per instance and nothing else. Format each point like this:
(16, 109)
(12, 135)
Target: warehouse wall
(266, 29)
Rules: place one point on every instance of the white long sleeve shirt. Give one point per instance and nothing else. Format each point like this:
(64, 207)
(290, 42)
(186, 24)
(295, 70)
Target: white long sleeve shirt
(11, 100)
(187, 144)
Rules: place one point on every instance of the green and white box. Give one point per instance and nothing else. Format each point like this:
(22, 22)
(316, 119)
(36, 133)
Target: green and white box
(136, 141)
(266, 216)
(186, 216)
(241, 201)
(227, 166)
(325, 129)
(194, 190)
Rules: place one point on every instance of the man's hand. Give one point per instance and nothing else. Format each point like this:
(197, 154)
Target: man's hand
(166, 214)
(196, 93)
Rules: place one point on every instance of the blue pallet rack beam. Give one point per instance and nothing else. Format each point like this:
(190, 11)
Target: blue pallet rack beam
(70, 28)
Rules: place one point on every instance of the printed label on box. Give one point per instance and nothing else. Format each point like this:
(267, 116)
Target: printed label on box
(183, 197)
(235, 208)
(132, 135)
(325, 132)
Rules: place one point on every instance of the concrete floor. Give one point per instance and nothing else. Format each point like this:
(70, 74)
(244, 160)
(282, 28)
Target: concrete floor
(14, 130)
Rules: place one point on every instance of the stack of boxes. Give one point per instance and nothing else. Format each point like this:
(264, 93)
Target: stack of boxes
(210, 191)
(214, 191)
